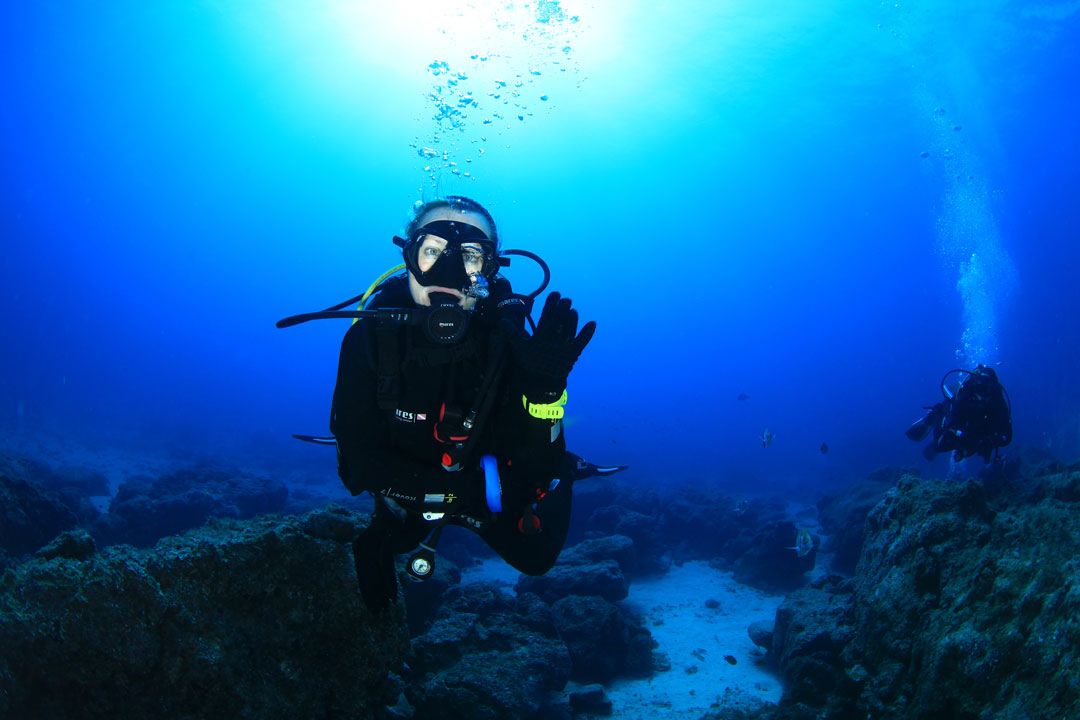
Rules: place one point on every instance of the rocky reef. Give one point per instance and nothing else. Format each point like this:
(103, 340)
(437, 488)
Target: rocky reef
(954, 599)
(259, 619)
(965, 604)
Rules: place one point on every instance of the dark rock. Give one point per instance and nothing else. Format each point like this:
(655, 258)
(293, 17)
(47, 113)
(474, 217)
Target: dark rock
(332, 522)
(813, 626)
(712, 604)
(643, 530)
(963, 609)
(604, 579)
(73, 545)
(145, 510)
(70, 487)
(253, 619)
(591, 699)
(688, 523)
(83, 481)
(29, 517)
(964, 605)
(772, 564)
(843, 515)
(487, 655)
(609, 547)
(709, 526)
(556, 707)
(761, 633)
(604, 640)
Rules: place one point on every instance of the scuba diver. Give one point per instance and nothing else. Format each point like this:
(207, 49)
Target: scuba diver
(447, 411)
(975, 419)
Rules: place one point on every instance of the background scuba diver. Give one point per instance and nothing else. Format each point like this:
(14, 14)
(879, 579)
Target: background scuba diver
(447, 411)
(976, 419)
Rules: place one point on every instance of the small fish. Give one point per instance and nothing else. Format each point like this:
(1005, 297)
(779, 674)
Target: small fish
(766, 438)
(730, 659)
(743, 397)
(824, 448)
(804, 542)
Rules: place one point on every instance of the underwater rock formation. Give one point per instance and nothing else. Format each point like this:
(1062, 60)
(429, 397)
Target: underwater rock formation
(488, 654)
(773, 563)
(605, 641)
(843, 516)
(144, 509)
(964, 605)
(255, 619)
(689, 524)
(603, 578)
(29, 517)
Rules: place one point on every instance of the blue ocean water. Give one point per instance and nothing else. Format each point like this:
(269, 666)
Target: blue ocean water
(822, 206)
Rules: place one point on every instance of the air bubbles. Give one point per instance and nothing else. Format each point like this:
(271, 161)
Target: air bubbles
(494, 89)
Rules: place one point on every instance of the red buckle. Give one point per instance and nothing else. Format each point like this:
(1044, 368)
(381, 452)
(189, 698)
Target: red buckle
(535, 525)
(447, 461)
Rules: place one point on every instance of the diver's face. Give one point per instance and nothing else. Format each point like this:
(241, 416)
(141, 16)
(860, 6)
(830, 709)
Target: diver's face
(432, 247)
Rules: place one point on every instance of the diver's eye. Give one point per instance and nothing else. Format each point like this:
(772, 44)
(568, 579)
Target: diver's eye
(431, 252)
(472, 258)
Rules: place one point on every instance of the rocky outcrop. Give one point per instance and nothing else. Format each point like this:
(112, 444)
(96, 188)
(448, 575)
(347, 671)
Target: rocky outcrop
(146, 509)
(964, 606)
(30, 517)
(747, 535)
(605, 641)
(773, 562)
(967, 603)
(843, 516)
(603, 578)
(488, 655)
(256, 619)
(814, 626)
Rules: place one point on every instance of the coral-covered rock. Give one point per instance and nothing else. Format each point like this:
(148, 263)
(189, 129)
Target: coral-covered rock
(604, 640)
(145, 510)
(609, 547)
(73, 545)
(604, 579)
(964, 605)
(774, 563)
(29, 517)
(813, 626)
(487, 655)
(643, 530)
(590, 699)
(843, 516)
(253, 619)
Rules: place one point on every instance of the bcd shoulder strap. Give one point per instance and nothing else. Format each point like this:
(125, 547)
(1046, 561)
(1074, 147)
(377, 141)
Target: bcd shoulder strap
(388, 368)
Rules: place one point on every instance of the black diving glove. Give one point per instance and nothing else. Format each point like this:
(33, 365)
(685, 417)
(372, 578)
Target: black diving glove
(546, 357)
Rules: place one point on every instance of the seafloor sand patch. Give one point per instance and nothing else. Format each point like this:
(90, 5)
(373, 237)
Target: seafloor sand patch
(694, 637)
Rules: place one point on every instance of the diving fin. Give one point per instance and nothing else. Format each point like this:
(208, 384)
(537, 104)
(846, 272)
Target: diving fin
(317, 439)
(581, 468)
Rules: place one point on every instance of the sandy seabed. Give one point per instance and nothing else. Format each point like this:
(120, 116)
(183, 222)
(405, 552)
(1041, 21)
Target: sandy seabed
(694, 637)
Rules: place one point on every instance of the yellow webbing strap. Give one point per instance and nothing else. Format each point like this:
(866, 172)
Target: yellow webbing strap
(374, 285)
(549, 411)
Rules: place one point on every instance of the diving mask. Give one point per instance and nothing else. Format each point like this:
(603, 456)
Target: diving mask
(451, 254)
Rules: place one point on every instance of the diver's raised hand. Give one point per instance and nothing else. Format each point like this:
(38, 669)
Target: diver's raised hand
(546, 357)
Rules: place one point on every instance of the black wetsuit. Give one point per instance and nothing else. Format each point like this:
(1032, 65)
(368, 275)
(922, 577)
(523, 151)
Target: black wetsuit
(397, 452)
